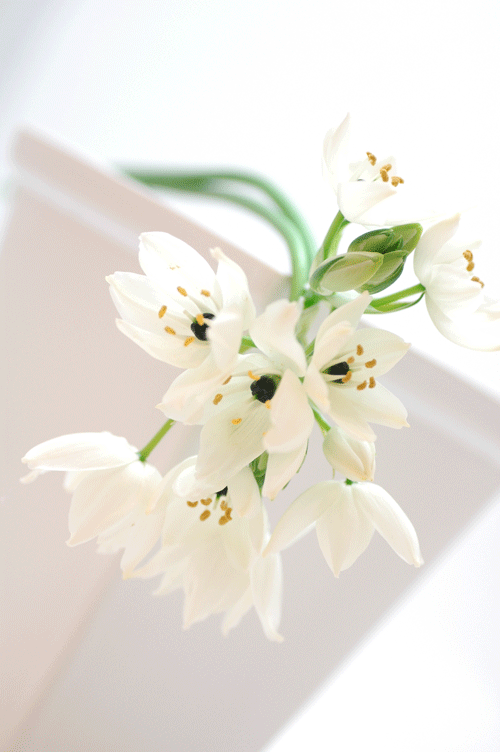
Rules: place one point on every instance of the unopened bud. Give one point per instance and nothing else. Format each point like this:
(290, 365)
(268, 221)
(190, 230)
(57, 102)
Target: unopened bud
(347, 272)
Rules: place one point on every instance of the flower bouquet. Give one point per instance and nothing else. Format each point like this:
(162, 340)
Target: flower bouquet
(258, 383)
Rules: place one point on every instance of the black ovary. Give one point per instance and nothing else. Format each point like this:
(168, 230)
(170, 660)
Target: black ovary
(264, 388)
(200, 330)
(339, 369)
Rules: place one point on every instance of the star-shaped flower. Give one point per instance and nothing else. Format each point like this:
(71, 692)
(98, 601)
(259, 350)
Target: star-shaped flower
(454, 292)
(346, 517)
(182, 312)
(342, 375)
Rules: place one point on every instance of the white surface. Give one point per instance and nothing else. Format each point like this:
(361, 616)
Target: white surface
(256, 85)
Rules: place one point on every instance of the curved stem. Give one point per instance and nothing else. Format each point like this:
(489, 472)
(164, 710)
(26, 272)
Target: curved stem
(398, 295)
(333, 236)
(146, 451)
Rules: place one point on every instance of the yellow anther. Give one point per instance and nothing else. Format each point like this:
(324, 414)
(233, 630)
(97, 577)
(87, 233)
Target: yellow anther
(387, 167)
(268, 404)
(182, 291)
(228, 513)
(359, 350)
(169, 330)
(236, 421)
(227, 381)
(188, 341)
(396, 181)
(175, 267)
(476, 279)
(470, 266)
(347, 377)
(253, 376)
(223, 505)
(384, 175)
(217, 398)
(206, 502)
(371, 157)
(223, 520)
(351, 359)
(362, 386)
(467, 255)
(371, 363)
(191, 503)
(161, 312)
(199, 319)
(372, 383)
(205, 515)
(205, 293)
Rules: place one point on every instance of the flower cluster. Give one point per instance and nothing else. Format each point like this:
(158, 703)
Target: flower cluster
(258, 385)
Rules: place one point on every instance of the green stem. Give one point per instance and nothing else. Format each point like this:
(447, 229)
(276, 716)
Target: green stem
(398, 295)
(325, 427)
(146, 451)
(300, 248)
(333, 236)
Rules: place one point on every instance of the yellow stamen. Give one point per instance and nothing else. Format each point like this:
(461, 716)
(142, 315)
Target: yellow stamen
(199, 319)
(384, 175)
(191, 503)
(161, 312)
(236, 421)
(268, 404)
(223, 520)
(371, 363)
(372, 383)
(188, 341)
(223, 505)
(470, 266)
(396, 181)
(371, 157)
(227, 381)
(359, 350)
(362, 386)
(468, 255)
(206, 502)
(228, 513)
(169, 330)
(253, 376)
(347, 377)
(205, 293)
(387, 167)
(217, 398)
(182, 291)
(205, 515)
(351, 359)
(476, 279)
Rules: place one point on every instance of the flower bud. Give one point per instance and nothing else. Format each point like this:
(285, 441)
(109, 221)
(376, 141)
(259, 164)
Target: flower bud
(388, 272)
(347, 272)
(353, 458)
(401, 238)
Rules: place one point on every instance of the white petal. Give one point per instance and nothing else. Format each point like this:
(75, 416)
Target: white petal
(389, 520)
(234, 287)
(343, 531)
(301, 515)
(224, 334)
(237, 543)
(353, 410)
(143, 536)
(353, 458)
(334, 148)
(291, 417)
(237, 612)
(335, 325)
(274, 333)
(357, 198)
(316, 387)
(186, 398)
(166, 347)
(81, 451)
(244, 493)
(267, 582)
(429, 245)
(159, 252)
(477, 331)
(280, 470)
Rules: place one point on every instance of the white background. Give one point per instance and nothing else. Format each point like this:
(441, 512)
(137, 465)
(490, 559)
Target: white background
(256, 85)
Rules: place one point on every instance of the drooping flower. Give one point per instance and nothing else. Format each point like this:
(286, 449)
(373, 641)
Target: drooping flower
(262, 408)
(211, 547)
(182, 312)
(369, 191)
(346, 517)
(454, 293)
(341, 377)
(110, 485)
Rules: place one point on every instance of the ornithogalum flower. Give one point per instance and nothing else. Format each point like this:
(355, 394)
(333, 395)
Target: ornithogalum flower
(110, 485)
(182, 312)
(211, 547)
(346, 517)
(263, 407)
(369, 191)
(454, 293)
(342, 375)
(353, 458)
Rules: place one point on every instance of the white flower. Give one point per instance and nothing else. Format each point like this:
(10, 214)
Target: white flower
(369, 191)
(354, 459)
(346, 517)
(453, 290)
(110, 487)
(181, 312)
(341, 377)
(263, 407)
(211, 547)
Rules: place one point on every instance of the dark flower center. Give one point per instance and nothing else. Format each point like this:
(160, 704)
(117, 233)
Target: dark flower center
(200, 330)
(339, 369)
(223, 492)
(264, 388)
